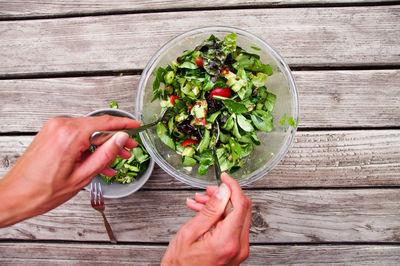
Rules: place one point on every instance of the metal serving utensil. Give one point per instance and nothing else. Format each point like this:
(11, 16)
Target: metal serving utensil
(97, 202)
(217, 167)
(99, 137)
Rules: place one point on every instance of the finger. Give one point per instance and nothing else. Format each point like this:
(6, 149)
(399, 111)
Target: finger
(237, 193)
(211, 190)
(201, 198)
(193, 205)
(208, 215)
(108, 122)
(233, 223)
(85, 155)
(124, 154)
(244, 238)
(131, 143)
(109, 172)
(101, 157)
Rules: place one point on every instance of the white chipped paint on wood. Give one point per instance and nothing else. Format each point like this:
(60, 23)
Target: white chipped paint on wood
(315, 216)
(86, 254)
(316, 159)
(312, 37)
(369, 98)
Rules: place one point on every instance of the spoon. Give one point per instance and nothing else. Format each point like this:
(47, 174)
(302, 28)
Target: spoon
(99, 137)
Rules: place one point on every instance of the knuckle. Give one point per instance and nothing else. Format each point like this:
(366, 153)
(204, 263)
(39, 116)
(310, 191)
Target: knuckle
(230, 249)
(54, 122)
(210, 209)
(244, 203)
(249, 202)
(183, 235)
(109, 157)
(244, 254)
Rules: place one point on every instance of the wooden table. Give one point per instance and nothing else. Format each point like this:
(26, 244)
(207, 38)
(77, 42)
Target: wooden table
(334, 198)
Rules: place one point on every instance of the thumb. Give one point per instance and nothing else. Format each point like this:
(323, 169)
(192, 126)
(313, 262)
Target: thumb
(209, 215)
(101, 157)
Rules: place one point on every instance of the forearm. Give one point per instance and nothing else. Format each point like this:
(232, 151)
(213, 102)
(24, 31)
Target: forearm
(16, 202)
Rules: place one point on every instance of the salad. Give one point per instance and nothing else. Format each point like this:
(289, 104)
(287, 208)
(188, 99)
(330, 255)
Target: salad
(128, 169)
(217, 84)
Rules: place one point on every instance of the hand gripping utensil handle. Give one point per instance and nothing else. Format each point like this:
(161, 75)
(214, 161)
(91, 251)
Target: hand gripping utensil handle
(217, 170)
(99, 137)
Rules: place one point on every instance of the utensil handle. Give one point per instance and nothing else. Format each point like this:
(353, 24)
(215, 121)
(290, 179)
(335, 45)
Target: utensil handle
(109, 231)
(99, 137)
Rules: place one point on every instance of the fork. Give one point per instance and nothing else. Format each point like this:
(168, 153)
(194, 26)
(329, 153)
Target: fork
(96, 199)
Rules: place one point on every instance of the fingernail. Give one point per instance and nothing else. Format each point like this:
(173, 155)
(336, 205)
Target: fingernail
(121, 139)
(198, 194)
(222, 191)
(190, 200)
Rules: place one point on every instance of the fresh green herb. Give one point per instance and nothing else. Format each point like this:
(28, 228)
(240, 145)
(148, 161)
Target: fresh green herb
(113, 105)
(189, 161)
(283, 120)
(235, 107)
(292, 122)
(162, 133)
(216, 83)
(255, 48)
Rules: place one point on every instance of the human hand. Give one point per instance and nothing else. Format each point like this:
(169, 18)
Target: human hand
(227, 243)
(57, 164)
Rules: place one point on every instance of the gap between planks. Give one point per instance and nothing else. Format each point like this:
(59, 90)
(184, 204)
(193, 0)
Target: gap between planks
(42, 9)
(316, 159)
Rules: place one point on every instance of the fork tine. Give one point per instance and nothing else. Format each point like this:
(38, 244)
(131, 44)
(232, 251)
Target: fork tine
(101, 195)
(95, 194)
(91, 194)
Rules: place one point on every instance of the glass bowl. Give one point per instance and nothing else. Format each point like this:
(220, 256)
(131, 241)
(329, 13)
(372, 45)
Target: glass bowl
(274, 145)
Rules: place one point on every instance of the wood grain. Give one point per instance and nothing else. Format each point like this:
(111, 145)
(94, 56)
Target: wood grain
(325, 37)
(87, 254)
(316, 159)
(328, 99)
(17, 9)
(309, 216)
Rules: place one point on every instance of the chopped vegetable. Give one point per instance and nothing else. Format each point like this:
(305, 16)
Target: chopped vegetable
(189, 142)
(114, 105)
(220, 82)
(222, 92)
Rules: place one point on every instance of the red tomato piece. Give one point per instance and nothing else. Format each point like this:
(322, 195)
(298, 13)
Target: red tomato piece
(189, 142)
(172, 98)
(222, 92)
(199, 61)
(200, 121)
(225, 71)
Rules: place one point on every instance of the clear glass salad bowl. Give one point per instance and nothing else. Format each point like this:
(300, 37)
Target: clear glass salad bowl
(274, 145)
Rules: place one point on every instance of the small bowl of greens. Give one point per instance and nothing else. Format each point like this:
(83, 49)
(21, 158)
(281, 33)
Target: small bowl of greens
(132, 173)
(218, 79)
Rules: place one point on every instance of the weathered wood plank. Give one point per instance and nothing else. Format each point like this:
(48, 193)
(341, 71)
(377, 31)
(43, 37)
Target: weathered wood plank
(316, 159)
(13, 9)
(312, 37)
(87, 254)
(313, 216)
(328, 99)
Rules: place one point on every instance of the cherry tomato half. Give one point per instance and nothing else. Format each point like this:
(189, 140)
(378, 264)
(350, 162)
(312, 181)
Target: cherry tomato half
(189, 141)
(199, 61)
(172, 98)
(222, 92)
